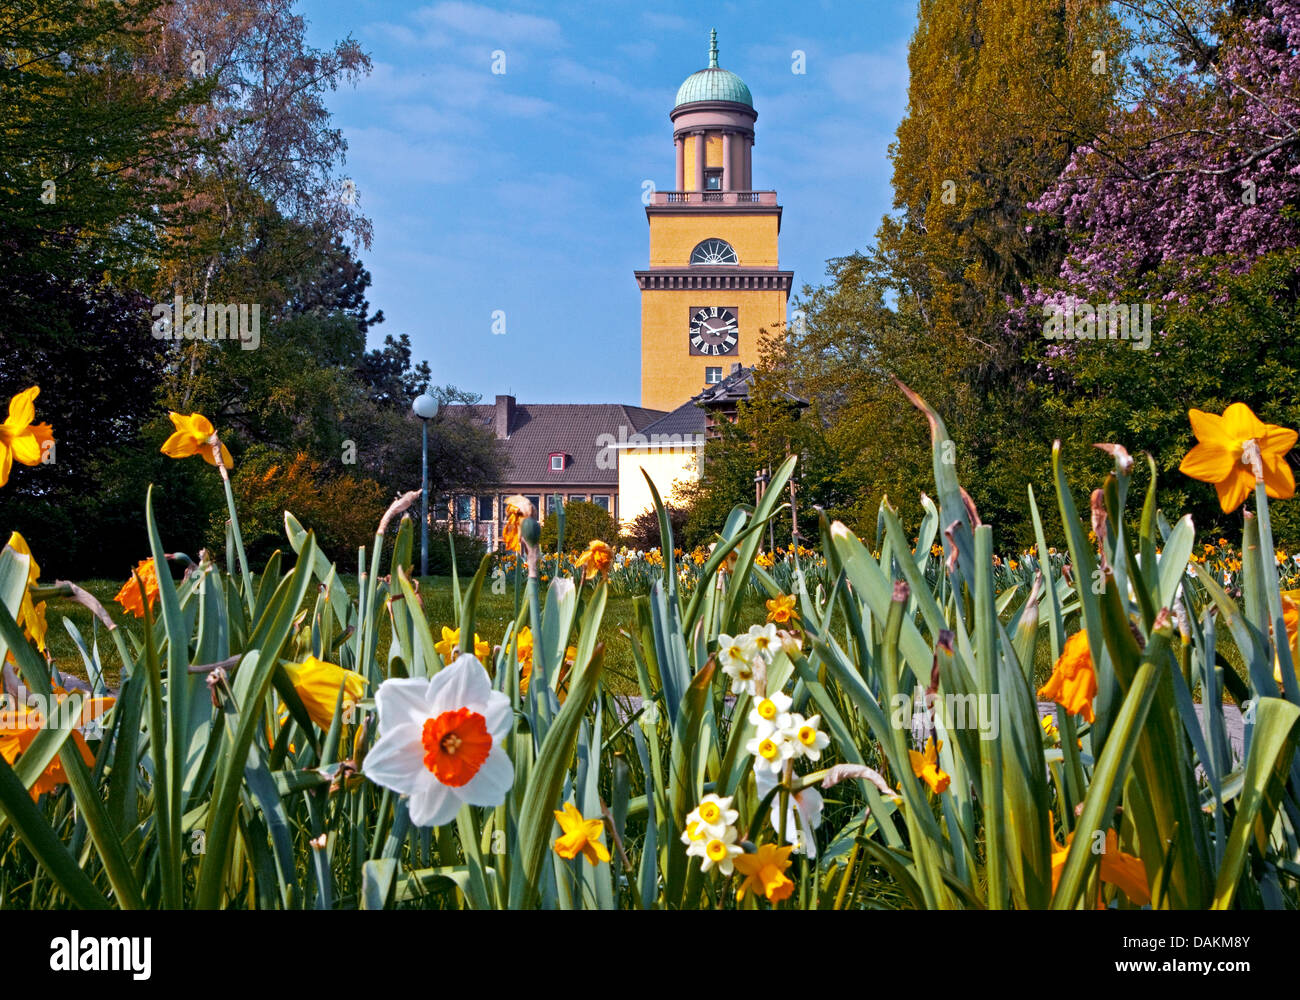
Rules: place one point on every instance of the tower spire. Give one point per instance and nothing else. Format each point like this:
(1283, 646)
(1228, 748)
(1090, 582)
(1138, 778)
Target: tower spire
(713, 48)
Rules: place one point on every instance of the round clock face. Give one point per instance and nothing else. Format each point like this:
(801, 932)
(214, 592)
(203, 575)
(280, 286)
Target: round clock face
(713, 330)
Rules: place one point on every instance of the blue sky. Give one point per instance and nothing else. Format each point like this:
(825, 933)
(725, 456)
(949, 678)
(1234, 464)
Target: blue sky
(521, 191)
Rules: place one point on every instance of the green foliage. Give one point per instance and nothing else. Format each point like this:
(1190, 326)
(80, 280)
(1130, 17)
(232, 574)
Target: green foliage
(341, 509)
(583, 522)
(643, 531)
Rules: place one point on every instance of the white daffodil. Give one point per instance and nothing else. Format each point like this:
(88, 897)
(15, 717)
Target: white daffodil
(441, 742)
(762, 639)
(717, 851)
(771, 715)
(803, 812)
(772, 751)
(809, 741)
(709, 819)
(734, 654)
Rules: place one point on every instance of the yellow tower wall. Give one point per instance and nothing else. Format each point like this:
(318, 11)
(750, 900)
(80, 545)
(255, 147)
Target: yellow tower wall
(670, 374)
(754, 237)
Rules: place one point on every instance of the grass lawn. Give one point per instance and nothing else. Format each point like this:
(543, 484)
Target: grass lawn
(494, 613)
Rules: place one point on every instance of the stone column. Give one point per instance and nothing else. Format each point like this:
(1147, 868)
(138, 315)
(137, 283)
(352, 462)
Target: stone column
(680, 143)
(726, 161)
(748, 178)
(700, 142)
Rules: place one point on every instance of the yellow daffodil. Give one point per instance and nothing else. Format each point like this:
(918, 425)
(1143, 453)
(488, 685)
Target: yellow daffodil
(926, 766)
(1124, 871)
(596, 560)
(130, 597)
(765, 869)
(1073, 683)
(780, 609)
(318, 683)
(1221, 455)
(517, 509)
(31, 617)
(451, 640)
(580, 836)
(1049, 729)
(21, 440)
(193, 436)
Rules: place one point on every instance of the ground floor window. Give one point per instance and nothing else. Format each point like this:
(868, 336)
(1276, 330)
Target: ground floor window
(464, 508)
(577, 498)
(485, 508)
(601, 500)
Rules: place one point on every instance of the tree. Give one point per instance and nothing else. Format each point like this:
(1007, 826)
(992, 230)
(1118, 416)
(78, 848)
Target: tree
(583, 522)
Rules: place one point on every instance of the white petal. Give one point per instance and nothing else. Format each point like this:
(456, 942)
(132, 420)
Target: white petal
(489, 786)
(433, 803)
(499, 717)
(462, 684)
(396, 760)
(401, 700)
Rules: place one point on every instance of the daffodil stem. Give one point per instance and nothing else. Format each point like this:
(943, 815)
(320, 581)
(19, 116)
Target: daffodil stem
(239, 542)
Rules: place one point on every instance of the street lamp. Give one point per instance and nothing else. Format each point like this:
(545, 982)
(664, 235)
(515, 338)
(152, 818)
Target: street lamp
(426, 408)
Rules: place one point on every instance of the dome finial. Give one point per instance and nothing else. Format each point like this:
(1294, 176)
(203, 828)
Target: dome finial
(713, 48)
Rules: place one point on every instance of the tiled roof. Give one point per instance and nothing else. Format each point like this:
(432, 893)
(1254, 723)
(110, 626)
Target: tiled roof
(577, 430)
(734, 387)
(686, 419)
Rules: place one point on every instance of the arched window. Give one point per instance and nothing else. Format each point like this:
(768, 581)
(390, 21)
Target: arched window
(714, 251)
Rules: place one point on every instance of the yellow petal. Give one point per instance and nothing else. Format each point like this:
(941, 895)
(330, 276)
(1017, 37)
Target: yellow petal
(1234, 490)
(22, 408)
(1208, 462)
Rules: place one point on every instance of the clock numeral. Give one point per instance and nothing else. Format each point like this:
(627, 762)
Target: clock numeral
(730, 340)
(697, 341)
(713, 311)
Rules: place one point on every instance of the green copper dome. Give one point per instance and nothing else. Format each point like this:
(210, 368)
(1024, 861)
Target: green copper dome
(713, 83)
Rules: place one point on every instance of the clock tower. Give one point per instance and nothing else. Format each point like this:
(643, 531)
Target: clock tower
(714, 281)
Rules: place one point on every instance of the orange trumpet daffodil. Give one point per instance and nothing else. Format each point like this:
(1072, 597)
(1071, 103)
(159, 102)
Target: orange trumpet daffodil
(581, 836)
(765, 869)
(129, 596)
(1073, 683)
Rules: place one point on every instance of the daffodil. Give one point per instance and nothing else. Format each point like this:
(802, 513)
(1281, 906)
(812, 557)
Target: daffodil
(31, 617)
(765, 870)
(595, 560)
(20, 440)
(734, 655)
(773, 750)
(709, 819)
(803, 812)
(780, 609)
(441, 742)
(1225, 451)
(1073, 683)
(1124, 871)
(772, 714)
(518, 508)
(808, 739)
(318, 684)
(524, 657)
(194, 435)
(1049, 729)
(19, 727)
(581, 836)
(721, 850)
(451, 641)
(926, 766)
(762, 639)
(130, 597)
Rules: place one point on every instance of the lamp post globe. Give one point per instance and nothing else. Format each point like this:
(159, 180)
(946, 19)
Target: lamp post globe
(425, 407)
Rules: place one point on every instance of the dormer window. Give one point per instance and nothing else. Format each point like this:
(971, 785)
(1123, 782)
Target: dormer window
(558, 461)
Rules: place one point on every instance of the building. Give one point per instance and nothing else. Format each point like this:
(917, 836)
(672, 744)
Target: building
(554, 453)
(713, 286)
(714, 280)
